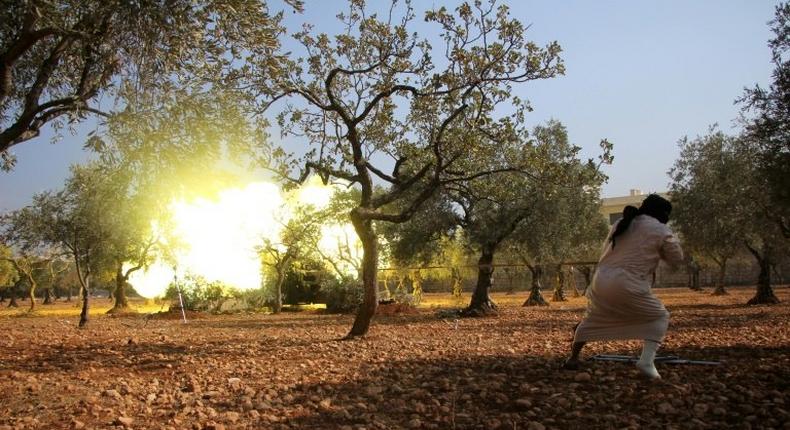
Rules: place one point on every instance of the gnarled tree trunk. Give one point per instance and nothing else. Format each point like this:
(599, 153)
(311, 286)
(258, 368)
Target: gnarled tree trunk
(85, 306)
(48, 296)
(121, 303)
(457, 282)
(84, 278)
(481, 304)
(572, 281)
(277, 306)
(535, 297)
(32, 294)
(416, 287)
(559, 287)
(12, 296)
(719, 288)
(765, 294)
(693, 275)
(367, 309)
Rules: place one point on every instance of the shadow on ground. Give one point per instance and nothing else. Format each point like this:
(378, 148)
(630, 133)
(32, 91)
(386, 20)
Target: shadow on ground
(512, 392)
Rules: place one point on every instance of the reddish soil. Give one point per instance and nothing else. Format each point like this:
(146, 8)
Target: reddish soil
(414, 370)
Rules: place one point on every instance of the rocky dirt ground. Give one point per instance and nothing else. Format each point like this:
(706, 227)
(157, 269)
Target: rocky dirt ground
(415, 370)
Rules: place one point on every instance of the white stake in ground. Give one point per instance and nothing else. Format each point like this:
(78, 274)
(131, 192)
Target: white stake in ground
(180, 300)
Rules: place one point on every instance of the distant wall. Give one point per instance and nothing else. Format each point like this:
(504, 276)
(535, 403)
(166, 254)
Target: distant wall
(740, 272)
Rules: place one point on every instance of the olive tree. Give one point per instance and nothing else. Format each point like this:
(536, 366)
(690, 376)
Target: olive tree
(297, 240)
(737, 213)
(763, 236)
(377, 104)
(766, 117)
(564, 222)
(492, 208)
(59, 59)
(702, 193)
(24, 250)
(8, 273)
(72, 220)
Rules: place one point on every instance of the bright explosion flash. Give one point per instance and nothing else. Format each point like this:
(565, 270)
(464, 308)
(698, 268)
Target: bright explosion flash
(220, 236)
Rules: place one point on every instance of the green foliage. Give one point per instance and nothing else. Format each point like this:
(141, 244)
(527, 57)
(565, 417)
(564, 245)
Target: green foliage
(422, 239)
(704, 192)
(198, 294)
(767, 123)
(303, 287)
(563, 220)
(297, 244)
(61, 57)
(8, 274)
(723, 202)
(342, 295)
(550, 203)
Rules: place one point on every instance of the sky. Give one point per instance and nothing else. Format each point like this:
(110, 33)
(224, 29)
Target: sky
(642, 74)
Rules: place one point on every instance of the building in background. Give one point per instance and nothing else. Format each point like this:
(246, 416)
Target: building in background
(612, 207)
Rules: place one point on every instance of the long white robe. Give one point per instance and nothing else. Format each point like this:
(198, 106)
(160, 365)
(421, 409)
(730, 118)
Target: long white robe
(620, 303)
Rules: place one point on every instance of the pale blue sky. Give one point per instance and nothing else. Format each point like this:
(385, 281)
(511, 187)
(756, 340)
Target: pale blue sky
(641, 73)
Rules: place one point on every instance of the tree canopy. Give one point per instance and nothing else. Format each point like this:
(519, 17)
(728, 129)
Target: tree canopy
(704, 191)
(59, 59)
(350, 89)
(767, 122)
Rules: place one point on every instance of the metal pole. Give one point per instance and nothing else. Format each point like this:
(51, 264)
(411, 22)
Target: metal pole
(180, 300)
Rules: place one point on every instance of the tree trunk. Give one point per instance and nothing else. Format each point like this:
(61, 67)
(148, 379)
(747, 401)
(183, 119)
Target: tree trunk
(85, 304)
(535, 297)
(457, 282)
(416, 287)
(694, 279)
(559, 288)
(2, 295)
(572, 282)
(719, 289)
(385, 293)
(693, 272)
(12, 298)
(68, 293)
(367, 309)
(587, 272)
(121, 302)
(48, 296)
(32, 295)
(765, 294)
(400, 289)
(277, 306)
(481, 304)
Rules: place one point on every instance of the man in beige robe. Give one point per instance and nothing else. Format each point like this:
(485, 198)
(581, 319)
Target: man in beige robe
(621, 305)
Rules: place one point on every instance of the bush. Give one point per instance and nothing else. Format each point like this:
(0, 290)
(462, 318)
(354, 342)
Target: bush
(301, 287)
(256, 300)
(200, 295)
(342, 295)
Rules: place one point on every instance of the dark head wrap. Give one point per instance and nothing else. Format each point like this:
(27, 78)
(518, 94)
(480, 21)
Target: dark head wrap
(653, 205)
